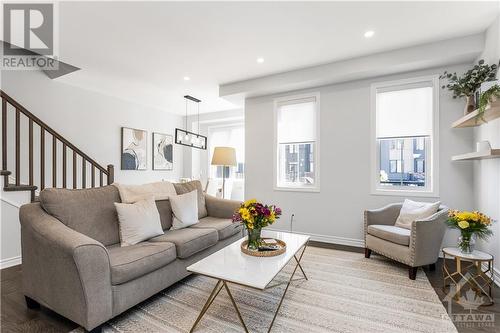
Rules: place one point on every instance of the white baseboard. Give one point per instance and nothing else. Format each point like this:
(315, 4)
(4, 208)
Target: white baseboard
(9, 262)
(329, 239)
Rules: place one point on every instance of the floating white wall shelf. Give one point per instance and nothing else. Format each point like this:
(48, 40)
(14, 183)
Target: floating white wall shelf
(480, 155)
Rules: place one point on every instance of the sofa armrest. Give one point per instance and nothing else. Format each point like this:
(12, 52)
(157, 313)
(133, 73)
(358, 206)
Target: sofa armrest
(64, 269)
(426, 238)
(386, 215)
(221, 208)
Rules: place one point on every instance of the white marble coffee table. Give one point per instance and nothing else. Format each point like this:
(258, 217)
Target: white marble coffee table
(230, 265)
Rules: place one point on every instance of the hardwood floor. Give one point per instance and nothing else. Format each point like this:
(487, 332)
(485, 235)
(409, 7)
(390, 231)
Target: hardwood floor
(16, 317)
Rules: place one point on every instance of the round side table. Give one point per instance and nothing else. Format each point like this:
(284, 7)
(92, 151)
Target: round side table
(474, 269)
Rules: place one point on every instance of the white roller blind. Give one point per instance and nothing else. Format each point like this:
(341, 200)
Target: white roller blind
(297, 121)
(404, 112)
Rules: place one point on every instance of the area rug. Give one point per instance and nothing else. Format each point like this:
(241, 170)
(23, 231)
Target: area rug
(345, 293)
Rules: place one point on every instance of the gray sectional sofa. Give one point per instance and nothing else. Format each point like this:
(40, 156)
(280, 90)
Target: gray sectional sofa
(74, 265)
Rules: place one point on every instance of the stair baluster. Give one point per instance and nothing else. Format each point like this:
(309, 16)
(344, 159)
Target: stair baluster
(18, 186)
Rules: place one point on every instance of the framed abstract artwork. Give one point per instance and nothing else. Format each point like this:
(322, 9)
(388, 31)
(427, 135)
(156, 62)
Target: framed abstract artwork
(163, 155)
(134, 149)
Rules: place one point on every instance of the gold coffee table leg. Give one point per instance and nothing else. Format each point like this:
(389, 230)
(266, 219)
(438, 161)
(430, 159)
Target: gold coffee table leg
(235, 306)
(209, 301)
(288, 285)
(215, 292)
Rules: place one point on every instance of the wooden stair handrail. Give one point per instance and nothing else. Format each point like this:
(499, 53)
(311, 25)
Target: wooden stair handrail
(48, 129)
(44, 128)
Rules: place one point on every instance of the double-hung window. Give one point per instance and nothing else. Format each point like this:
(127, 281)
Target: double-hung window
(405, 134)
(297, 143)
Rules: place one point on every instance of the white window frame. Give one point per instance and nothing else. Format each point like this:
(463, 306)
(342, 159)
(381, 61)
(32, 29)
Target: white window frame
(297, 188)
(432, 157)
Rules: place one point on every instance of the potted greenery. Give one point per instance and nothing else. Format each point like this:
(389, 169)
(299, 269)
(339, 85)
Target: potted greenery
(489, 96)
(469, 82)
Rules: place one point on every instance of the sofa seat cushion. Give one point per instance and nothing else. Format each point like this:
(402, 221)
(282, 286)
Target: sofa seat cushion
(225, 227)
(391, 233)
(189, 241)
(130, 262)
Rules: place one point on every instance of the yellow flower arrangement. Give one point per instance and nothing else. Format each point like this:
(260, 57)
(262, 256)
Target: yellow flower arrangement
(469, 224)
(255, 215)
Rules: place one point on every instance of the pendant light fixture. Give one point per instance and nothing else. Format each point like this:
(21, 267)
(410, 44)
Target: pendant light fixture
(187, 138)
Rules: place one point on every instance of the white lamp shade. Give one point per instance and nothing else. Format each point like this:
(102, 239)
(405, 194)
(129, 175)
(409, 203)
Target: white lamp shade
(224, 156)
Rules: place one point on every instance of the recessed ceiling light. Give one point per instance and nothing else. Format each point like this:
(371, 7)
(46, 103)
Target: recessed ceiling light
(260, 60)
(369, 34)
(187, 78)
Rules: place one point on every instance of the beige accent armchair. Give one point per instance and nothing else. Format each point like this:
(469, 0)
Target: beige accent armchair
(416, 247)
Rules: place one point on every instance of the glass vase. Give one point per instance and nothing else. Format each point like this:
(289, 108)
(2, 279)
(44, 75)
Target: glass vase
(466, 243)
(254, 239)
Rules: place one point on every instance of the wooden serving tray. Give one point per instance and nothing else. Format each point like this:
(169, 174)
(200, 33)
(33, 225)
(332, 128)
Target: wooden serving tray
(281, 250)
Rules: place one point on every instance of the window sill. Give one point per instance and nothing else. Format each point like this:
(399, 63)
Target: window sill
(405, 193)
(297, 189)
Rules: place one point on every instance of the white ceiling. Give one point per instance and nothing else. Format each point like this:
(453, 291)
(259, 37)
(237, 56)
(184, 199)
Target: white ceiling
(141, 51)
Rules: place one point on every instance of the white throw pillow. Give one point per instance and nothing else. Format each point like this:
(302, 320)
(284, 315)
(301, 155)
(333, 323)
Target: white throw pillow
(185, 210)
(138, 221)
(414, 210)
(133, 193)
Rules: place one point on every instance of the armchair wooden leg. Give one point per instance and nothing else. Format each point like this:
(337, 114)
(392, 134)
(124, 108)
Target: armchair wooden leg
(31, 303)
(368, 252)
(432, 267)
(412, 273)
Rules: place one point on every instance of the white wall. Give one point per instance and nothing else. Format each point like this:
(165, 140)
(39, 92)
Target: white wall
(336, 213)
(487, 172)
(89, 120)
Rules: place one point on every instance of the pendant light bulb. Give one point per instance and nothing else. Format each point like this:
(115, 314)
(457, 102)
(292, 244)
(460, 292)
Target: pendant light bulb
(186, 137)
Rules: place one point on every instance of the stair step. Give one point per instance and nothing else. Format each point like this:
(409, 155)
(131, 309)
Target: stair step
(12, 188)
(5, 172)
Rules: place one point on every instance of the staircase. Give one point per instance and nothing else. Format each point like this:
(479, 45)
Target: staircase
(82, 166)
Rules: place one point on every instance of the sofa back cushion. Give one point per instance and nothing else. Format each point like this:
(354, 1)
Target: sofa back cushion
(133, 193)
(89, 211)
(183, 188)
